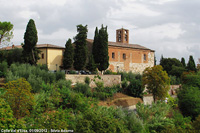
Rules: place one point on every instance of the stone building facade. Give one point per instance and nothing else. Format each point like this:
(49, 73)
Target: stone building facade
(128, 57)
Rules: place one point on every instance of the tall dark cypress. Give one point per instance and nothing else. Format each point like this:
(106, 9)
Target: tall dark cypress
(80, 52)
(183, 62)
(103, 49)
(191, 64)
(95, 46)
(91, 66)
(68, 56)
(30, 52)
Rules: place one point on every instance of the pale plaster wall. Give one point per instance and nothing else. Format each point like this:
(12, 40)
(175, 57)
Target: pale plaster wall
(55, 56)
(42, 61)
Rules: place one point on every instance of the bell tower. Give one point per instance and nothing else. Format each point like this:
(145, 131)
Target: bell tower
(122, 35)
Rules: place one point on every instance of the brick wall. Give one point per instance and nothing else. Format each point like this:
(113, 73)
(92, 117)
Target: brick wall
(134, 60)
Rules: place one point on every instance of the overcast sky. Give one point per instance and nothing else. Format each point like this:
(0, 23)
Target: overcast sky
(170, 27)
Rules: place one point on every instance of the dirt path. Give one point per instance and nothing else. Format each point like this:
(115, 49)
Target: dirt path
(120, 99)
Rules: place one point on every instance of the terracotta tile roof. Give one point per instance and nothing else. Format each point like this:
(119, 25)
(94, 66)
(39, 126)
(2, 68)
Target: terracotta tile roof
(38, 46)
(124, 45)
(49, 46)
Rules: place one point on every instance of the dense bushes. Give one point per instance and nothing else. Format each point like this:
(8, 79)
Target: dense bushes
(132, 84)
(7, 120)
(189, 101)
(11, 56)
(3, 69)
(33, 74)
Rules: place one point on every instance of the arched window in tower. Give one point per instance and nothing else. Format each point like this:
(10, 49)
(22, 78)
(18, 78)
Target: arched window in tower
(119, 36)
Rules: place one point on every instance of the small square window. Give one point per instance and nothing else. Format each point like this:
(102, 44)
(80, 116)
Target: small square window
(124, 56)
(113, 55)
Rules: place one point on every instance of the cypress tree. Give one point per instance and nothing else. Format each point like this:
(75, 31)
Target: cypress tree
(30, 52)
(95, 46)
(103, 49)
(80, 52)
(191, 64)
(91, 66)
(68, 55)
(183, 62)
(161, 60)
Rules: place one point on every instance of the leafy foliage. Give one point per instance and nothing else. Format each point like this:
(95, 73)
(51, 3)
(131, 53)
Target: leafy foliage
(91, 66)
(154, 116)
(80, 47)
(18, 95)
(7, 120)
(3, 69)
(68, 56)
(135, 88)
(6, 32)
(191, 64)
(183, 62)
(100, 120)
(156, 81)
(33, 74)
(172, 66)
(50, 120)
(101, 48)
(30, 52)
(11, 56)
(189, 101)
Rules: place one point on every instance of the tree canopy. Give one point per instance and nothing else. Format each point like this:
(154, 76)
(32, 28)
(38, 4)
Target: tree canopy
(191, 64)
(18, 95)
(30, 52)
(80, 52)
(68, 56)
(100, 48)
(156, 81)
(183, 62)
(6, 32)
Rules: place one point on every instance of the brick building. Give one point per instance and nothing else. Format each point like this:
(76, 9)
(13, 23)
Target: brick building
(128, 57)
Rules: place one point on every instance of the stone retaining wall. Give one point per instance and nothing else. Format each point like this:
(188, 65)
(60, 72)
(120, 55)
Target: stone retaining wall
(109, 80)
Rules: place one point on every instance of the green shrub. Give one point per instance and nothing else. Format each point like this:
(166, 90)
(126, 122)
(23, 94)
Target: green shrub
(100, 86)
(135, 89)
(78, 102)
(83, 88)
(108, 72)
(49, 120)
(180, 121)
(34, 74)
(3, 68)
(174, 80)
(155, 116)
(189, 101)
(63, 83)
(124, 84)
(196, 123)
(101, 95)
(130, 76)
(43, 67)
(87, 80)
(100, 120)
(43, 103)
(36, 83)
(60, 75)
(7, 120)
